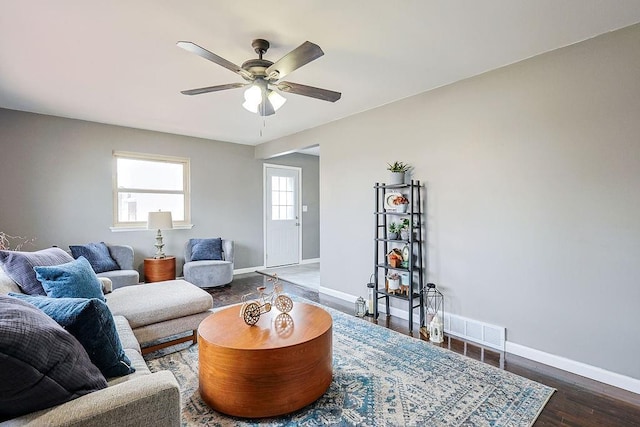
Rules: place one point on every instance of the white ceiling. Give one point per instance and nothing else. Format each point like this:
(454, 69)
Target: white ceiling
(117, 61)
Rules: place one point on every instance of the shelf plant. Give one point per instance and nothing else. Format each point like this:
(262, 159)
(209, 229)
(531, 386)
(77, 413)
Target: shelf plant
(393, 280)
(397, 170)
(404, 229)
(394, 229)
(398, 167)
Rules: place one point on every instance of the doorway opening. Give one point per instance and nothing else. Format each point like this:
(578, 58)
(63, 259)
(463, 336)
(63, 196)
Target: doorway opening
(282, 219)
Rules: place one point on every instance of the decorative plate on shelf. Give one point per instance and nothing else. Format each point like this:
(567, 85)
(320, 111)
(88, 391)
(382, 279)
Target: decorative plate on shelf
(406, 253)
(388, 200)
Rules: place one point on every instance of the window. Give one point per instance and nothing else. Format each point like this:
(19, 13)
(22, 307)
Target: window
(282, 198)
(144, 183)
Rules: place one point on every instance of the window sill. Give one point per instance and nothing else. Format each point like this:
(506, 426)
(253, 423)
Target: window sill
(144, 228)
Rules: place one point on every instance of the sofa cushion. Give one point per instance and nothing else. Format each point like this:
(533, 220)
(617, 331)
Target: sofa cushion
(75, 279)
(42, 364)
(91, 322)
(206, 249)
(97, 254)
(19, 266)
(121, 278)
(138, 362)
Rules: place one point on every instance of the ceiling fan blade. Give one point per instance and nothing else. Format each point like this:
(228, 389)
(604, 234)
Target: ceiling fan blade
(313, 92)
(293, 60)
(212, 88)
(204, 53)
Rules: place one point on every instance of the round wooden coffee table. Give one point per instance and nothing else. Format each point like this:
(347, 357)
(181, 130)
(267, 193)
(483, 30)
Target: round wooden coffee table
(277, 366)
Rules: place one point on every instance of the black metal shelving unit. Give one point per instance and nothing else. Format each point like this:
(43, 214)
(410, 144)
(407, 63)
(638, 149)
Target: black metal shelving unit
(414, 268)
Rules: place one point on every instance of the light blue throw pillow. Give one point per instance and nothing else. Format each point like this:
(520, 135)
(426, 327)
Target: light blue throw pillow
(90, 321)
(75, 279)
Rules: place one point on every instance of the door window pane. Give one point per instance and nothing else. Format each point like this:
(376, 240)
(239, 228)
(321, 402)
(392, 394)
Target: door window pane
(282, 198)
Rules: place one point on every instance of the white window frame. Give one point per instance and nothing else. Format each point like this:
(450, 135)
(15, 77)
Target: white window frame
(186, 190)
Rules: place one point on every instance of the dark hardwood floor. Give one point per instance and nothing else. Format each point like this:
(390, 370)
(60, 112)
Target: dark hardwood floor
(578, 401)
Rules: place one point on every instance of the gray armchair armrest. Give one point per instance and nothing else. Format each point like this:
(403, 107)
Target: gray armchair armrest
(227, 250)
(146, 400)
(123, 255)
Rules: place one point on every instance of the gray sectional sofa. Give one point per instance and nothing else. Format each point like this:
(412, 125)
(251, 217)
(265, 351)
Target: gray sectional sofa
(143, 314)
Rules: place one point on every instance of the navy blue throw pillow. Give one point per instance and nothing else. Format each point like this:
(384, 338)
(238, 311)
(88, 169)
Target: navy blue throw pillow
(97, 254)
(206, 249)
(42, 364)
(91, 322)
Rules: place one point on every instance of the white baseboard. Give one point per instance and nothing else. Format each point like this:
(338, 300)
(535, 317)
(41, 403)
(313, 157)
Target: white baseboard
(337, 294)
(310, 261)
(247, 270)
(598, 374)
(592, 372)
(352, 299)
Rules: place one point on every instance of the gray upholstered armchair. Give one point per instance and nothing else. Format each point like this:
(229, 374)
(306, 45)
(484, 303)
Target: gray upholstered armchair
(209, 273)
(127, 275)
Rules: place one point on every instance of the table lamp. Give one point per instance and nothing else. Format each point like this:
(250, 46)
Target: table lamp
(159, 221)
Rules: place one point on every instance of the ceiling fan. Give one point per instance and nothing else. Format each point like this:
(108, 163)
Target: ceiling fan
(263, 76)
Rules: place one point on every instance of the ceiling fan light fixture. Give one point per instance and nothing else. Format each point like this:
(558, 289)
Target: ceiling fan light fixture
(252, 108)
(276, 99)
(260, 73)
(253, 99)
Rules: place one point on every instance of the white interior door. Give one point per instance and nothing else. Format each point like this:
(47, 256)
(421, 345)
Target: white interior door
(282, 215)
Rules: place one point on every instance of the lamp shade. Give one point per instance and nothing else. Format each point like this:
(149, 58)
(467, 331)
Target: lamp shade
(262, 100)
(160, 221)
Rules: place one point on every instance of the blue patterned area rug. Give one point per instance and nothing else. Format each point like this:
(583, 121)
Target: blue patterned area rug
(384, 378)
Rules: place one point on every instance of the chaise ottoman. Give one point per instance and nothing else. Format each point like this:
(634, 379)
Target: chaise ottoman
(161, 309)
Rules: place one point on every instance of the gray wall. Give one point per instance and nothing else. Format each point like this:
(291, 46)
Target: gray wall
(532, 173)
(56, 177)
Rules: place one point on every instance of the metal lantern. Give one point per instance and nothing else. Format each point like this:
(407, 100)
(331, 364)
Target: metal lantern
(435, 330)
(361, 307)
(371, 296)
(434, 305)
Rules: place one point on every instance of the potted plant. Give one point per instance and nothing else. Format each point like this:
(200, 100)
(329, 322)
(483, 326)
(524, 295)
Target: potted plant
(404, 229)
(401, 203)
(397, 170)
(394, 228)
(393, 280)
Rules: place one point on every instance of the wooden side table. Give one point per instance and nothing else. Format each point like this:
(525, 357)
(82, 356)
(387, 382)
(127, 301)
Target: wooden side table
(159, 269)
(277, 366)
